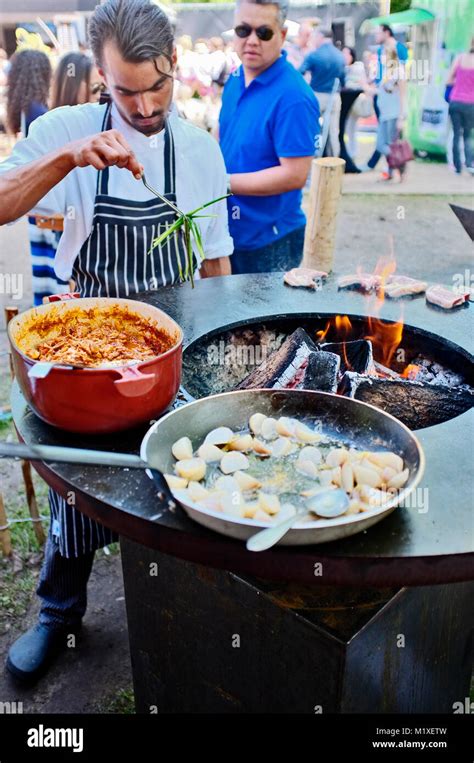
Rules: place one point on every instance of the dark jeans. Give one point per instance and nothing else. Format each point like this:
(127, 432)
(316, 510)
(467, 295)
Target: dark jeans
(462, 117)
(63, 587)
(284, 254)
(374, 159)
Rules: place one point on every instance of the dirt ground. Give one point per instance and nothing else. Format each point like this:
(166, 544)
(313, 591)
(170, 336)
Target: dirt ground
(427, 241)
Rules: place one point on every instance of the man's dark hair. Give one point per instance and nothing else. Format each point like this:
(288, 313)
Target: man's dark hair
(282, 6)
(387, 28)
(326, 32)
(140, 29)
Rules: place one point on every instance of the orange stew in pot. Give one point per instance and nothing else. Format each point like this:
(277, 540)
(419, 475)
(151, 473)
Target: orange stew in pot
(95, 337)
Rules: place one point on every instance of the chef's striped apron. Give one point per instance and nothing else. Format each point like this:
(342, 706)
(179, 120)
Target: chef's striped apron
(115, 262)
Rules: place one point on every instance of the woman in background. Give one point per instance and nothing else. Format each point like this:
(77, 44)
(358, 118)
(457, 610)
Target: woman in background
(461, 107)
(76, 80)
(391, 101)
(29, 80)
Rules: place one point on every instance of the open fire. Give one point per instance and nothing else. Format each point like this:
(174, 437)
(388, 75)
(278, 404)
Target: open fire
(366, 362)
(417, 377)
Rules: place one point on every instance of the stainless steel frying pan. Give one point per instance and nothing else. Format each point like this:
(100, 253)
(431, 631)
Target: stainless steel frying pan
(353, 422)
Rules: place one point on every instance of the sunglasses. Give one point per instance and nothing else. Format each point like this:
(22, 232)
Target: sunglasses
(264, 33)
(97, 87)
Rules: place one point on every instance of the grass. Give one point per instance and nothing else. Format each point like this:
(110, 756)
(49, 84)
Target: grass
(18, 573)
(121, 702)
(15, 593)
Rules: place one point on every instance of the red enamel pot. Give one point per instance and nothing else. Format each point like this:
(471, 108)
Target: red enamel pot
(106, 398)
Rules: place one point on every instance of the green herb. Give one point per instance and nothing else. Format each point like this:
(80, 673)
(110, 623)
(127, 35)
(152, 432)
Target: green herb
(191, 231)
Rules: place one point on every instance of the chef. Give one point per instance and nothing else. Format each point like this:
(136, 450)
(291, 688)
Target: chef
(86, 162)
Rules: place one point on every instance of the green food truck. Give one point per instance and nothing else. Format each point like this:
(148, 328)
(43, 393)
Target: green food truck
(435, 33)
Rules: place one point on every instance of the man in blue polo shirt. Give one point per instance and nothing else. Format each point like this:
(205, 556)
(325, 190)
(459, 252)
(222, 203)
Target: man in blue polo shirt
(268, 127)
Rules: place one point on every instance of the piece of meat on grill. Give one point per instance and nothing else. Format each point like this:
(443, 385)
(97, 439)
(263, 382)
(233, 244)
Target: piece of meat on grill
(403, 286)
(363, 281)
(306, 277)
(444, 297)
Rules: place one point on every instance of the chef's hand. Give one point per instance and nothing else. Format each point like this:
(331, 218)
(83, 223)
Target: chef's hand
(107, 149)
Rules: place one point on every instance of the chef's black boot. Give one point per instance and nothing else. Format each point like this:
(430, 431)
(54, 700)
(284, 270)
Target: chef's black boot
(31, 654)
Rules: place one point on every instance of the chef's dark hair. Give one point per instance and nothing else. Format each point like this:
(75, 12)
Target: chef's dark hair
(141, 30)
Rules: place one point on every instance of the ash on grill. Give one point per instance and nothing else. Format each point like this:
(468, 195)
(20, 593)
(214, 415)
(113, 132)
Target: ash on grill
(423, 394)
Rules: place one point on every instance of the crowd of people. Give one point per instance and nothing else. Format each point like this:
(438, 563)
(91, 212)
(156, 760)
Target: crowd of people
(91, 134)
(204, 66)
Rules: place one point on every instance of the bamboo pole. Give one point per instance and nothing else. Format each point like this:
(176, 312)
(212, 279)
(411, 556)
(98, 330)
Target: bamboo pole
(324, 195)
(10, 313)
(5, 537)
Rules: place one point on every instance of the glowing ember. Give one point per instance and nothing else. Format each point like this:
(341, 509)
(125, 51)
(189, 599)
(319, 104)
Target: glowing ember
(410, 372)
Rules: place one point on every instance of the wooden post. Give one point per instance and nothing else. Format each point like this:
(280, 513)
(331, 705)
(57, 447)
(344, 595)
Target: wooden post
(32, 503)
(5, 537)
(325, 191)
(10, 313)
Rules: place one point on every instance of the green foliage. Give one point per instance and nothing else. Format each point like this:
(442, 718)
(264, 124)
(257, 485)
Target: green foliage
(122, 702)
(396, 6)
(190, 228)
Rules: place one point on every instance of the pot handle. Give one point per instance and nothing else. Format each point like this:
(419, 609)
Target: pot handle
(133, 383)
(61, 297)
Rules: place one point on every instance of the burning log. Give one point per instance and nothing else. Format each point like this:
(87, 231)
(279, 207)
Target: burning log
(355, 356)
(416, 404)
(322, 371)
(285, 368)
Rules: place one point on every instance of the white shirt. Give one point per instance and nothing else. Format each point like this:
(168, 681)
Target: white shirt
(200, 175)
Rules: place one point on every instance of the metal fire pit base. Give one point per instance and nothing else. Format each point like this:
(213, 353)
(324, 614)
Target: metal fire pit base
(206, 641)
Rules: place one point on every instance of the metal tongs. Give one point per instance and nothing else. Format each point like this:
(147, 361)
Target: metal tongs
(163, 198)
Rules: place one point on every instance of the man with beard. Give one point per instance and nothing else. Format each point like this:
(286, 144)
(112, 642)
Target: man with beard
(86, 162)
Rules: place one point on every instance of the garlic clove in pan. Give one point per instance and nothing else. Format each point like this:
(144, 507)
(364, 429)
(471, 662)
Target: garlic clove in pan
(308, 468)
(304, 434)
(366, 476)
(209, 452)
(283, 447)
(269, 503)
(182, 449)
(219, 436)
(337, 457)
(174, 482)
(310, 453)
(243, 442)
(246, 481)
(255, 422)
(197, 491)
(228, 484)
(285, 426)
(268, 430)
(191, 469)
(385, 458)
(261, 448)
(234, 462)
